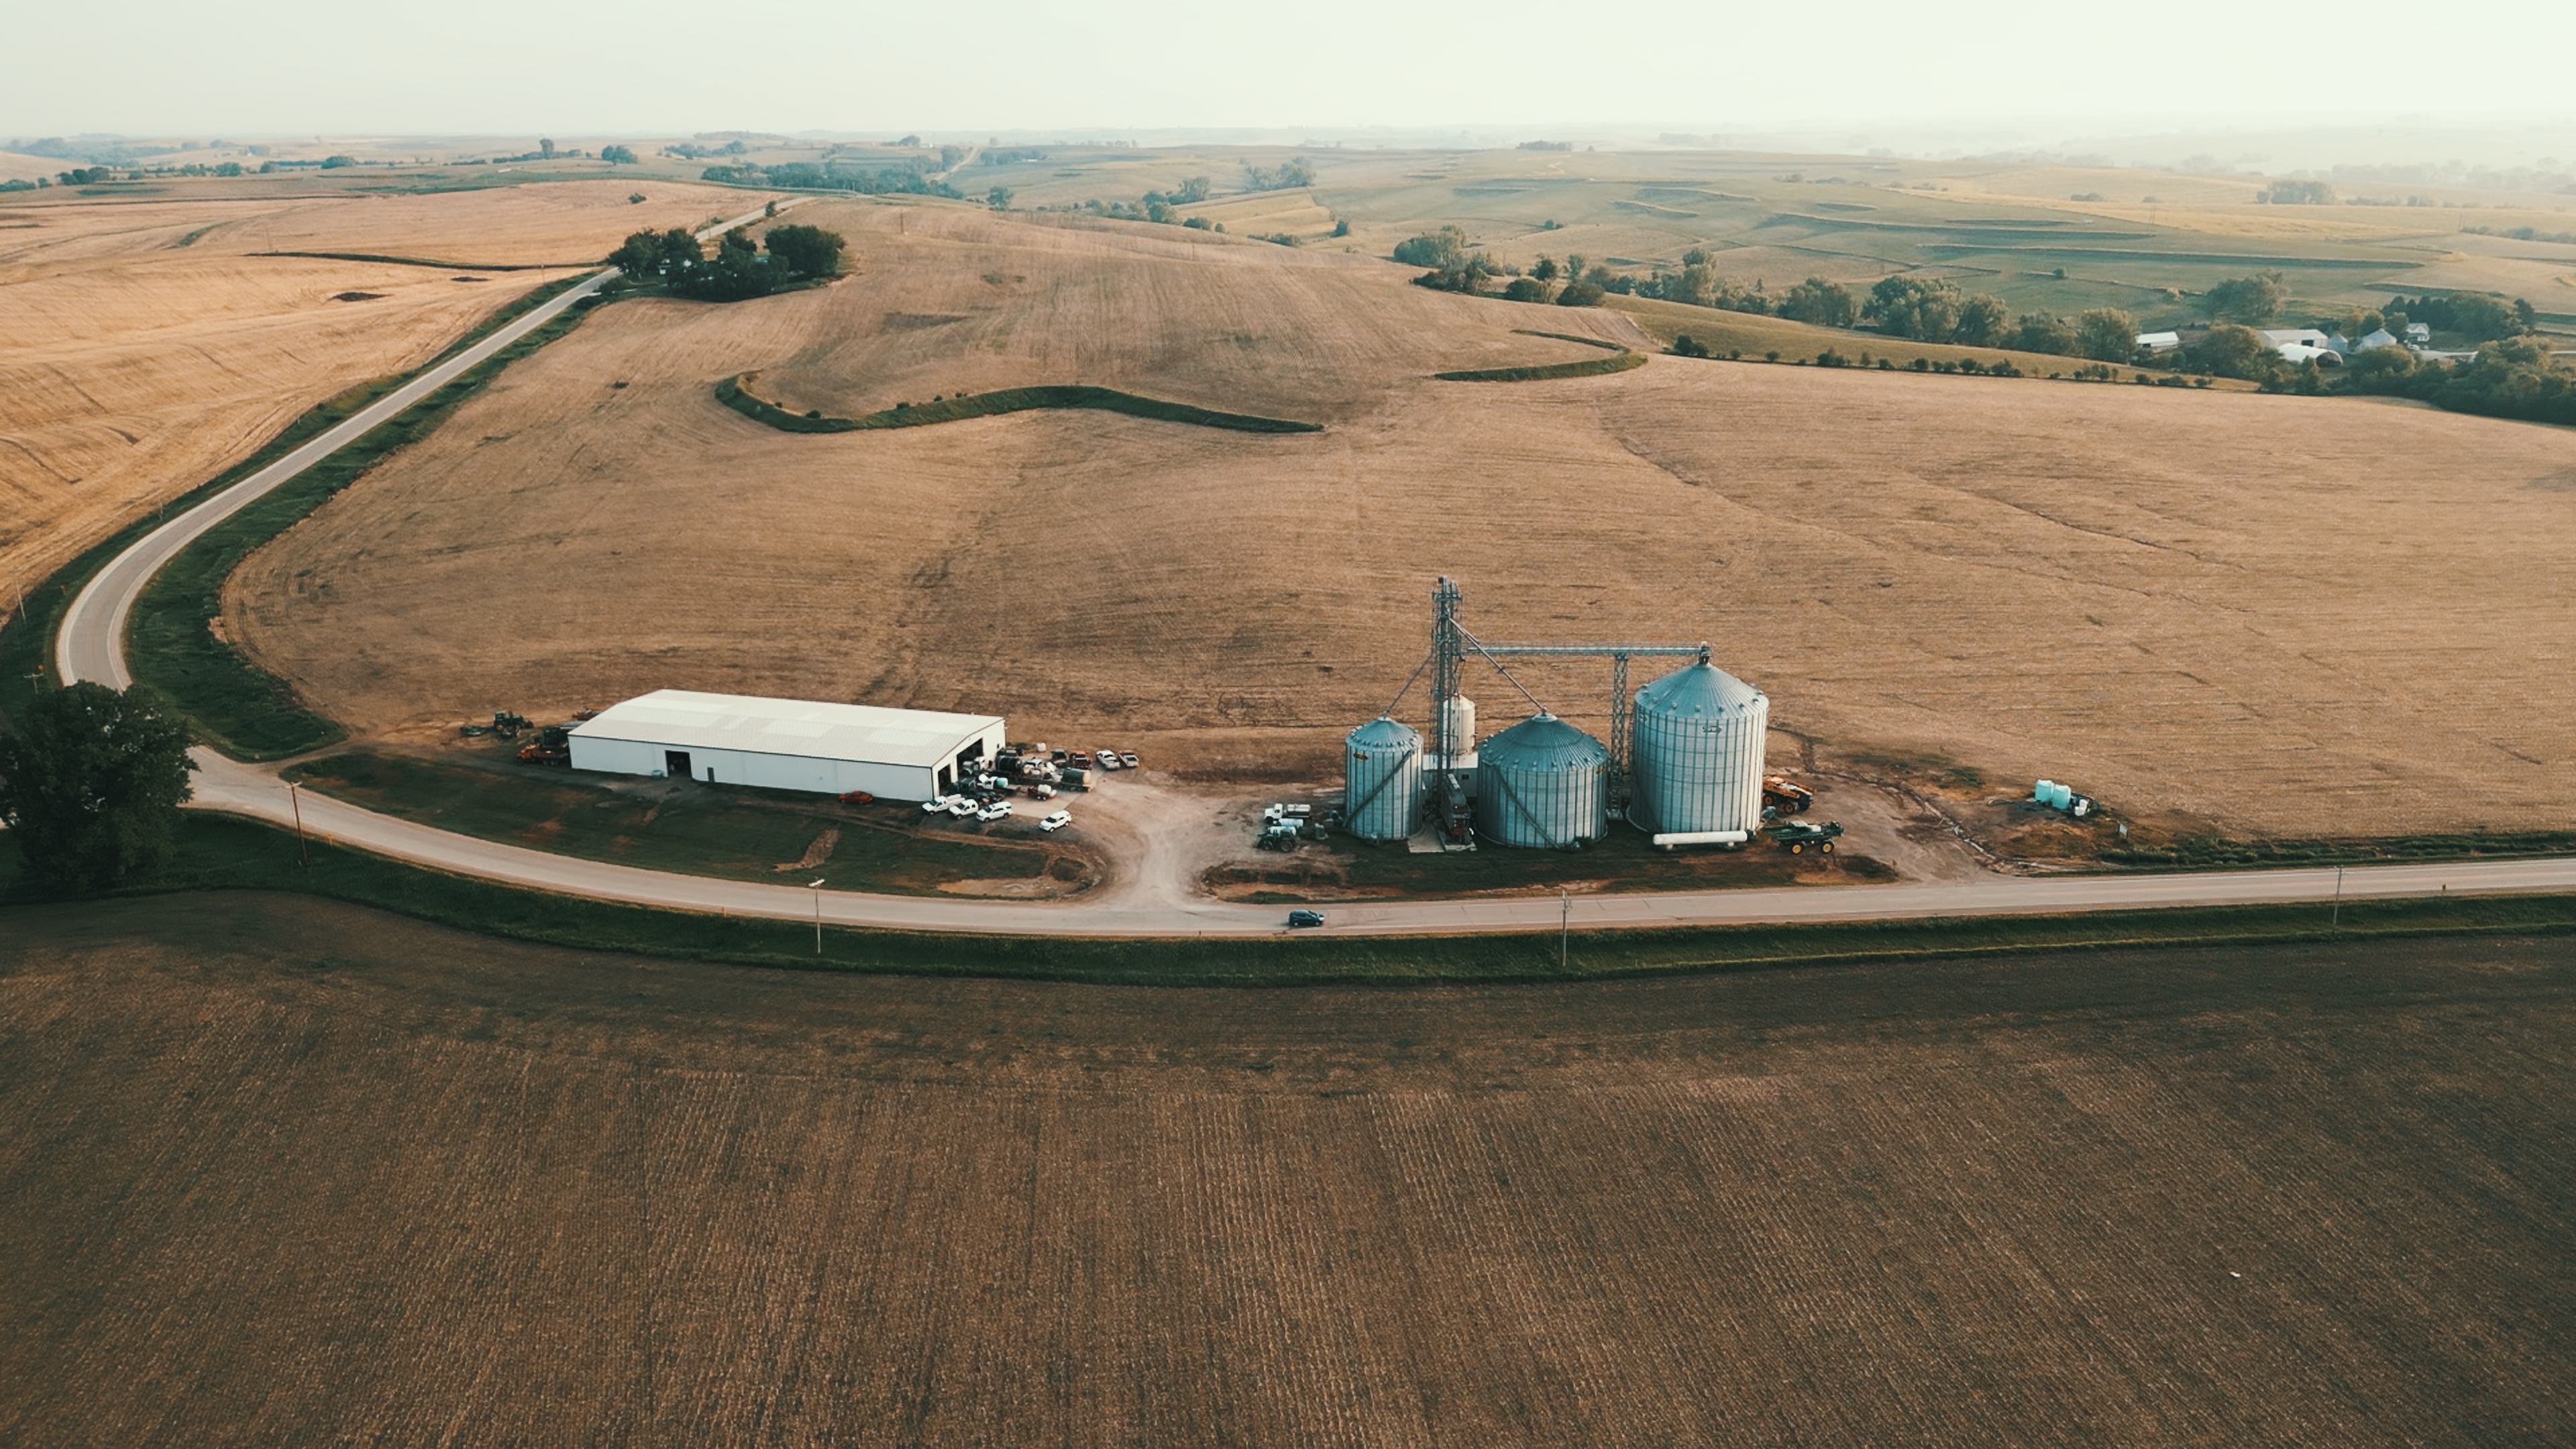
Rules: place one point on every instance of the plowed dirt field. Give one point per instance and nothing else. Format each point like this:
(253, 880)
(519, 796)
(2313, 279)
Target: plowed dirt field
(399, 1185)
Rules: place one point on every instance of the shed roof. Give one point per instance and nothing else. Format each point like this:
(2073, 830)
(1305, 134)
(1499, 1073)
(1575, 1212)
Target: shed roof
(686, 719)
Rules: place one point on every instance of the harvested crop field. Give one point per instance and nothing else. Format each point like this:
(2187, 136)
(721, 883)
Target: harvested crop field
(399, 1184)
(2218, 612)
(145, 344)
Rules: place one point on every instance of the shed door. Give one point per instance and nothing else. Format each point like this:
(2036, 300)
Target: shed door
(675, 763)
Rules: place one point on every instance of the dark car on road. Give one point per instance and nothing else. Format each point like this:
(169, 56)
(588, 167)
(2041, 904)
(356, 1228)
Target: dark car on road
(1300, 920)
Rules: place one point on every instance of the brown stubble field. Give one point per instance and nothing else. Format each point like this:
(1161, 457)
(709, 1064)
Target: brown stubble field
(396, 1184)
(2263, 615)
(144, 347)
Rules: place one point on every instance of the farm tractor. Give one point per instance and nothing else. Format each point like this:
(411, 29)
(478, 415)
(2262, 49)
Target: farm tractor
(552, 746)
(1797, 837)
(1783, 796)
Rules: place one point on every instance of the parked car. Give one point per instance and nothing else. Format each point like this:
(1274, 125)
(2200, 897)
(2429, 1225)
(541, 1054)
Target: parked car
(1055, 822)
(936, 805)
(1301, 920)
(1127, 758)
(1041, 792)
(1081, 758)
(961, 807)
(1108, 759)
(998, 810)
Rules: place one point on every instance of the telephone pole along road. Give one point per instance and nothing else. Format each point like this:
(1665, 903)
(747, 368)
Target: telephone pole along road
(92, 646)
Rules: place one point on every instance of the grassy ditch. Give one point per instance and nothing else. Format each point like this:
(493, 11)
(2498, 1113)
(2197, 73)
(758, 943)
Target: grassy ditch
(677, 825)
(231, 702)
(1620, 360)
(2217, 853)
(735, 393)
(1626, 857)
(216, 852)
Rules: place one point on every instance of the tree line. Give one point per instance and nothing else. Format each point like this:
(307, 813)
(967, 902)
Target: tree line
(738, 270)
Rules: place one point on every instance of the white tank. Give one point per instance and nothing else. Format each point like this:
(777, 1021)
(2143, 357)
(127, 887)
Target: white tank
(1382, 780)
(1698, 735)
(1462, 723)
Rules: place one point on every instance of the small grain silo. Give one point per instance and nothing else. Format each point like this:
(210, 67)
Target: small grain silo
(1543, 783)
(1382, 780)
(1698, 734)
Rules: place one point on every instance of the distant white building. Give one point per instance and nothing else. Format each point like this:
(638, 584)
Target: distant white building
(2305, 344)
(2159, 341)
(2419, 334)
(787, 744)
(2376, 340)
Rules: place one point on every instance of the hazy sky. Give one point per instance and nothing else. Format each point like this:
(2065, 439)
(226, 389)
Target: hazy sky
(506, 67)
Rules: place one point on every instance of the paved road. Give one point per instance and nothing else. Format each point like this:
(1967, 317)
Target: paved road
(91, 646)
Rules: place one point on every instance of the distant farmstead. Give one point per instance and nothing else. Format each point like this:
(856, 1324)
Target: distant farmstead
(2159, 341)
(787, 744)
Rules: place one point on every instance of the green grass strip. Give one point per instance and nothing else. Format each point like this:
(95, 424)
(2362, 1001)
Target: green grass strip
(1588, 367)
(230, 702)
(395, 261)
(218, 852)
(735, 393)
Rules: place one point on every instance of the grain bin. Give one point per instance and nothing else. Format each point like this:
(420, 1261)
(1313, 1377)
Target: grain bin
(1698, 735)
(1542, 783)
(1382, 780)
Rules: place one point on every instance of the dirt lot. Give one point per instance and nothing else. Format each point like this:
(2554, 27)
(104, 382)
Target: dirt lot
(396, 1184)
(2254, 614)
(144, 345)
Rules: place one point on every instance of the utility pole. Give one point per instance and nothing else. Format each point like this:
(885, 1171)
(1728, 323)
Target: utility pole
(295, 801)
(816, 886)
(2338, 905)
(1564, 924)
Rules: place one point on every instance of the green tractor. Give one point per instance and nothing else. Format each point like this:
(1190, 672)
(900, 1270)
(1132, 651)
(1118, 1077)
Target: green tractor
(1797, 837)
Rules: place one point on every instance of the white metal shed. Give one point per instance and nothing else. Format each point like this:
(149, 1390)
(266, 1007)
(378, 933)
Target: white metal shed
(787, 744)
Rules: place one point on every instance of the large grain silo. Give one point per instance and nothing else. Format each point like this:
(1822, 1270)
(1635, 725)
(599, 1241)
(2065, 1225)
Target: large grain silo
(1382, 780)
(1542, 783)
(1697, 758)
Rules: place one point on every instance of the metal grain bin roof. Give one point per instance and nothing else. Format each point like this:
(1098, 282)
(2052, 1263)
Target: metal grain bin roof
(1384, 733)
(1543, 742)
(1699, 689)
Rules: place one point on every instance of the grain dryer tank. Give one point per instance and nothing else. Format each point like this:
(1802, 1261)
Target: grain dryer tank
(1382, 780)
(1543, 783)
(1698, 735)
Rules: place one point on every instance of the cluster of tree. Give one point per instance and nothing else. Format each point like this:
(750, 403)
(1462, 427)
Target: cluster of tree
(2474, 315)
(994, 157)
(1285, 176)
(2252, 300)
(1547, 145)
(618, 155)
(2297, 193)
(917, 178)
(91, 784)
(1160, 207)
(2511, 377)
(738, 270)
(691, 151)
(90, 175)
(2524, 233)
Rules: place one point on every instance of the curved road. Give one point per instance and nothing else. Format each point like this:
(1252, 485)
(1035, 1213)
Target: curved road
(92, 646)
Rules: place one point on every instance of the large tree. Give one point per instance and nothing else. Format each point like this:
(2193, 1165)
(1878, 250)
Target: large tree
(2235, 351)
(90, 787)
(1921, 307)
(2252, 300)
(1824, 303)
(2107, 334)
(1982, 321)
(2041, 332)
(806, 251)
